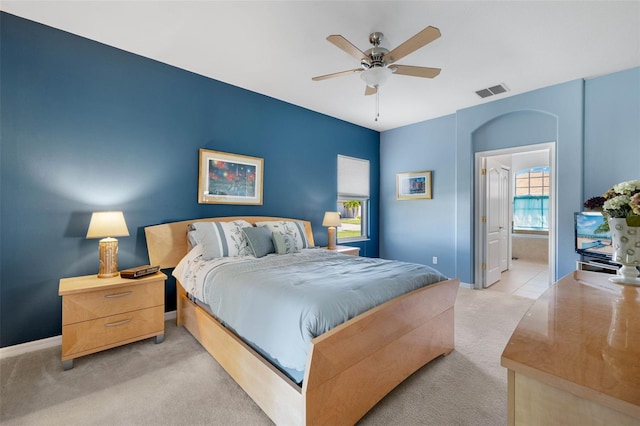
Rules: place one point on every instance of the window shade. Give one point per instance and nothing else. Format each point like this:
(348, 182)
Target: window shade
(353, 177)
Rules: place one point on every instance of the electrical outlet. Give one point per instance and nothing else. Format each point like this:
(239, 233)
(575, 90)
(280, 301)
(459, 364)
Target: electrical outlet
(435, 260)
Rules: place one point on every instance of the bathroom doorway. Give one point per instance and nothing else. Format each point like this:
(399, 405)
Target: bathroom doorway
(504, 246)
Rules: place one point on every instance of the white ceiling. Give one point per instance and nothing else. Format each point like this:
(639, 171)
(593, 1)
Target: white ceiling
(275, 47)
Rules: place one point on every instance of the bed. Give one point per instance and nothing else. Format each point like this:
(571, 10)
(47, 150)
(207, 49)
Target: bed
(348, 369)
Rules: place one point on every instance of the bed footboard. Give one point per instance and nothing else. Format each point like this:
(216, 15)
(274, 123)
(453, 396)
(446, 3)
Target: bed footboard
(352, 367)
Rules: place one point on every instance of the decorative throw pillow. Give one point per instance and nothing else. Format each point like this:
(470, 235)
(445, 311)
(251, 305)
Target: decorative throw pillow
(222, 239)
(260, 240)
(295, 229)
(285, 243)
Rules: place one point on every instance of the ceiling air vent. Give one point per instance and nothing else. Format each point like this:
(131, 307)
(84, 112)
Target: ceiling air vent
(493, 90)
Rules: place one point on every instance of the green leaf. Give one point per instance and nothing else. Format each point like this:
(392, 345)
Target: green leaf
(633, 220)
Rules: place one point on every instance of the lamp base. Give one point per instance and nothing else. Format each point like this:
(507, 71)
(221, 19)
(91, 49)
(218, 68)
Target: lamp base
(331, 231)
(108, 249)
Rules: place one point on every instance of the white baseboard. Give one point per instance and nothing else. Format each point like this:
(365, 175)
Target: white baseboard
(36, 345)
(49, 342)
(466, 285)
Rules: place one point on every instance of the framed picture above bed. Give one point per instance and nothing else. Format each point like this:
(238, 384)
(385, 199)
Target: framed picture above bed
(413, 185)
(229, 178)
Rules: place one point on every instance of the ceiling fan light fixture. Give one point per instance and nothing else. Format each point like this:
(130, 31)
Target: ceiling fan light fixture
(375, 76)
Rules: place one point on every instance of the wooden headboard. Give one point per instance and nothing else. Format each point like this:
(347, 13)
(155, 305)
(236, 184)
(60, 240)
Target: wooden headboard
(167, 243)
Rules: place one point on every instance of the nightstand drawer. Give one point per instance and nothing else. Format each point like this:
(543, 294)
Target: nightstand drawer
(90, 336)
(110, 301)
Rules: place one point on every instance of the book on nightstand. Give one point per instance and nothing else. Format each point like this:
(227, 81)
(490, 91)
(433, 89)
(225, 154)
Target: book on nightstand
(139, 271)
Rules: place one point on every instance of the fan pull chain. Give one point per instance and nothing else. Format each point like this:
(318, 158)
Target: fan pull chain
(377, 104)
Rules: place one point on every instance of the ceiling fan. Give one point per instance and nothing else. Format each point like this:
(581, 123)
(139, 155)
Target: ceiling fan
(377, 64)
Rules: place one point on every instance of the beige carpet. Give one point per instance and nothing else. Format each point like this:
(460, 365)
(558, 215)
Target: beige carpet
(178, 383)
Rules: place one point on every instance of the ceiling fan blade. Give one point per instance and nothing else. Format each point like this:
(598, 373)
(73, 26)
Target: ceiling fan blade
(336, 74)
(347, 46)
(370, 90)
(423, 72)
(423, 38)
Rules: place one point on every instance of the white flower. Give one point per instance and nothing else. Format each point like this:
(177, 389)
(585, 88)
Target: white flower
(616, 203)
(627, 188)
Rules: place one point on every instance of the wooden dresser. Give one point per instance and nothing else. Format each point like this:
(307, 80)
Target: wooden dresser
(102, 313)
(574, 358)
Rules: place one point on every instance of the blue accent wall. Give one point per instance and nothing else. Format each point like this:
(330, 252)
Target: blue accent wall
(87, 127)
(594, 123)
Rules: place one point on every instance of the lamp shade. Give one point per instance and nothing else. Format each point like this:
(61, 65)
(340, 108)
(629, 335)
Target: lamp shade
(376, 76)
(331, 219)
(107, 224)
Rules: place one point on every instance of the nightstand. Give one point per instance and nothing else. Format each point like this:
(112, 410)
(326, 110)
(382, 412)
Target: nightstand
(353, 251)
(102, 313)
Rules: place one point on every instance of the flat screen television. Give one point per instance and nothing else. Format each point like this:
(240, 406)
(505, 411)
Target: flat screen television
(587, 241)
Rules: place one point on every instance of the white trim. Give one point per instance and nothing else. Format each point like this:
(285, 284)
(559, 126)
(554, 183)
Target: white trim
(49, 342)
(36, 345)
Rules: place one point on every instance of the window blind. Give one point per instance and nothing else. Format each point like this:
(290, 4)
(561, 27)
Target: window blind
(353, 177)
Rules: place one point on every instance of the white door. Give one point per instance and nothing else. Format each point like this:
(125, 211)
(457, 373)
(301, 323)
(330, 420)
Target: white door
(492, 221)
(505, 217)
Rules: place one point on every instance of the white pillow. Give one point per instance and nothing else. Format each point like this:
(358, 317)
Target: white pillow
(222, 239)
(294, 229)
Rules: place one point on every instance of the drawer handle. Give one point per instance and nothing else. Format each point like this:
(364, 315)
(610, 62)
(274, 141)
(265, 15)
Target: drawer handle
(117, 323)
(113, 296)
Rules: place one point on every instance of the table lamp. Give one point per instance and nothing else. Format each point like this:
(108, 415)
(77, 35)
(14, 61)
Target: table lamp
(331, 219)
(107, 225)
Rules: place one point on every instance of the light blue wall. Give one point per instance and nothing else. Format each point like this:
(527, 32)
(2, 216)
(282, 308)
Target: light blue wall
(523, 123)
(584, 119)
(87, 127)
(418, 230)
(612, 131)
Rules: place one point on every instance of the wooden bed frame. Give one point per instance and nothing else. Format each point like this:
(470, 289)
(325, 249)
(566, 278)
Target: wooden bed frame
(349, 369)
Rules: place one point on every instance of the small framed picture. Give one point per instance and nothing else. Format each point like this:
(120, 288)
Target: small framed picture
(229, 178)
(413, 185)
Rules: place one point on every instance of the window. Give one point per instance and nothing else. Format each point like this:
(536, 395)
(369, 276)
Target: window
(353, 198)
(531, 200)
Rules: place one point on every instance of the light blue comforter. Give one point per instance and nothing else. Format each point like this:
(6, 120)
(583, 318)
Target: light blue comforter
(280, 303)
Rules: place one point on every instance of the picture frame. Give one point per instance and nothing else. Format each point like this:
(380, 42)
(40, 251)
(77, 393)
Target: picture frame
(413, 185)
(226, 178)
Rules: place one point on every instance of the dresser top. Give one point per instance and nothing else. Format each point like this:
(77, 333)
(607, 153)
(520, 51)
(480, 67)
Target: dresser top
(92, 282)
(583, 334)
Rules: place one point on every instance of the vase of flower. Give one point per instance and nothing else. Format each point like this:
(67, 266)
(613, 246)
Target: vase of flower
(620, 205)
(625, 241)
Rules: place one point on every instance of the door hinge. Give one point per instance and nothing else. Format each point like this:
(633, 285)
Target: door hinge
(484, 219)
(484, 266)
(484, 172)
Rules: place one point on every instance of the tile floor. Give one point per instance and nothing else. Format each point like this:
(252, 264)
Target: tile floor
(525, 278)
